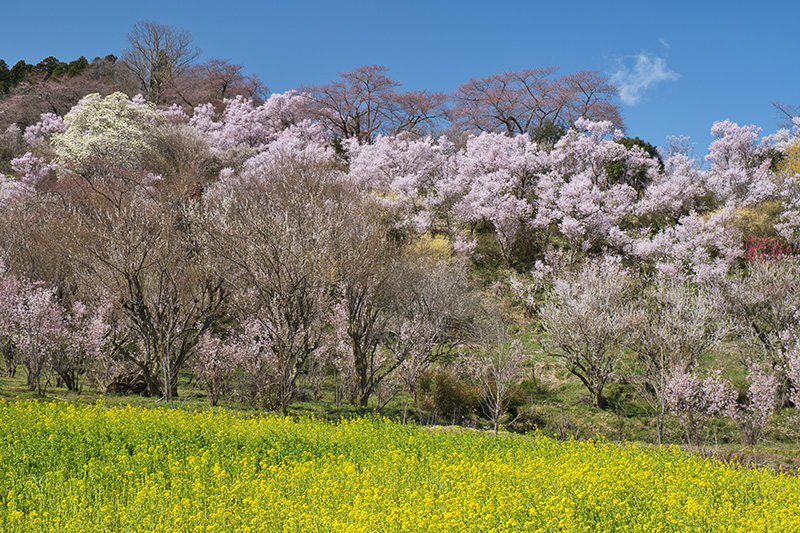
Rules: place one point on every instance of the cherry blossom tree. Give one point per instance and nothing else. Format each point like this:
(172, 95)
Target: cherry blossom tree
(272, 228)
(762, 400)
(586, 315)
(33, 328)
(750, 411)
(33, 170)
(700, 248)
(694, 400)
(409, 176)
(576, 192)
(40, 132)
(671, 327)
(739, 165)
(247, 126)
(418, 113)
(674, 193)
(792, 358)
(498, 175)
(12, 145)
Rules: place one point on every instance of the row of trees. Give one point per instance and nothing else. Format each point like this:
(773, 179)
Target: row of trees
(274, 243)
(162, 64)
(279, 257)
(605, 321)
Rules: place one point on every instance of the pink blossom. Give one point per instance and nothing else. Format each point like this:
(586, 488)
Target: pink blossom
(33, 170)
(40, 132)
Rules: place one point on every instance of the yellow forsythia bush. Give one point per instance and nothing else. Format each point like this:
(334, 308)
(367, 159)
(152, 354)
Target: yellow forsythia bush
(67, 468)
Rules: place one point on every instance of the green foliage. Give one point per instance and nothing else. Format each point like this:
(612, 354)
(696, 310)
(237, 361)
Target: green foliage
(340, 150)
(616, 169)
(46, 67)
(71, 69)
(448, 395)
(19, 71)
(548, 133)
(5, 78)
(49, 68)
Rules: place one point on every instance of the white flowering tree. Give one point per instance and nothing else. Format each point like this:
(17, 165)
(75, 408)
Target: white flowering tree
(585, 316)
(115, 129)
(671, 327)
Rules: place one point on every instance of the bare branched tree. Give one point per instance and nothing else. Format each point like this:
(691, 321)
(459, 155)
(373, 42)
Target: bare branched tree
(272, 230)
(156, 55)
(497, 372)
(530, 100)
(127, 242)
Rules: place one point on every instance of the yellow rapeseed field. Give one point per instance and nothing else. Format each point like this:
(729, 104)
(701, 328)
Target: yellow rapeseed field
(67, 468)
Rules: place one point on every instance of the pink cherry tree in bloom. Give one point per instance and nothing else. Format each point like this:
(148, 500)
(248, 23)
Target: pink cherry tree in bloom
(244, 362)
(699, 248)
(577, 193)
(41, 132)
(84, 346)
(694, 401)
(409, 176)
(674, 193)
(739, 165)
(97, 335)
(497, 175)
(34, 324)
(692, 216)
(750, 410)
(246, 127)
(11, 289)
(33, 170)
(761, 401)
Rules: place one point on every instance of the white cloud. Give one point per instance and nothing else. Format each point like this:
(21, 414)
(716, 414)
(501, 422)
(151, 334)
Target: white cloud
(647, 72)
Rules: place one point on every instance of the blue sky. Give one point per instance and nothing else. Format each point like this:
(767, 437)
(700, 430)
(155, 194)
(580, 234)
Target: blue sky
(681, 64)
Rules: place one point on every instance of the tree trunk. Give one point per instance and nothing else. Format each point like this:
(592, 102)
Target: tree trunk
(599, 399)
(363, 400)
